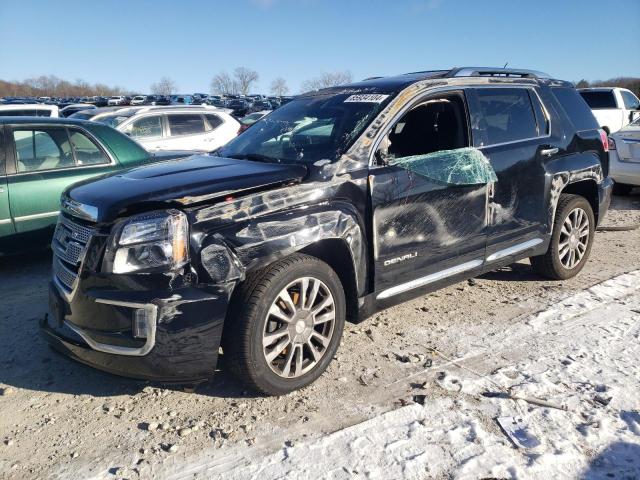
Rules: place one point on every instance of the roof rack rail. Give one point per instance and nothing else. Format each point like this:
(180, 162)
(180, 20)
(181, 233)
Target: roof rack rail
(495, 72)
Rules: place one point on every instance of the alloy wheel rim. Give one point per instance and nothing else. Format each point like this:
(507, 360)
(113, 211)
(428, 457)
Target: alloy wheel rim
(299, 327)
(574, 238)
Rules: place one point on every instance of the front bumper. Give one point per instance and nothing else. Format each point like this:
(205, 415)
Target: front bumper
(181, 344)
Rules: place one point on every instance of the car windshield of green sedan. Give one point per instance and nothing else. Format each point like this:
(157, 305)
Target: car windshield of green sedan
(39, 158)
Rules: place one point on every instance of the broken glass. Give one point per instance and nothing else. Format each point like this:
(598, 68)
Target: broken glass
(462, 166)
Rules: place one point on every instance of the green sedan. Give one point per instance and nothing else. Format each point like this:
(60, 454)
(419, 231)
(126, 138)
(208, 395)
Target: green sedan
(40, 157)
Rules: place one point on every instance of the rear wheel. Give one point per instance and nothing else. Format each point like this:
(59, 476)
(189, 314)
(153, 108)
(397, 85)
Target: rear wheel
(286, 325)
(571, 240)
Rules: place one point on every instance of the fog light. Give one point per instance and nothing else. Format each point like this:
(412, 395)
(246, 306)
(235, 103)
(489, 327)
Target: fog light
(142, 319)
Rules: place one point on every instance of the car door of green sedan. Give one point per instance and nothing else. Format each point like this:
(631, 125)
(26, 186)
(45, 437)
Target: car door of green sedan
(46, 159)
(6, 224)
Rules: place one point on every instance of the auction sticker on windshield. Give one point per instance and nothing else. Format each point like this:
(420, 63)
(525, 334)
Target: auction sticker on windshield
(366, 98)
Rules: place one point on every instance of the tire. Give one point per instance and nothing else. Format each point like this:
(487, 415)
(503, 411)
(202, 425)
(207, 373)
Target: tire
(556, 262)
(259, 309)
(622, 189)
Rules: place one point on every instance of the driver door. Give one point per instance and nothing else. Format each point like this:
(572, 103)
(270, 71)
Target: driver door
(425, 229)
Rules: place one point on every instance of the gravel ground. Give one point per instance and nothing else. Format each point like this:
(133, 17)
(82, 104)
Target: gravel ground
(64, 420)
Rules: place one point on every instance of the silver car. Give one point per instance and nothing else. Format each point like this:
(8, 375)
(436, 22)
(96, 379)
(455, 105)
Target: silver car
(624, 157)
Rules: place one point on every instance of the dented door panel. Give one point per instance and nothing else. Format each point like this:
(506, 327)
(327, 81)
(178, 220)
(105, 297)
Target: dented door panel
(245, 234)
(421, 227)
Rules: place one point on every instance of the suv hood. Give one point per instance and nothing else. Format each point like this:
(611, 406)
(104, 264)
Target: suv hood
(195, 179)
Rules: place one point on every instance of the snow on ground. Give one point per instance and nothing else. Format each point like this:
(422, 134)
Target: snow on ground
(580, 354)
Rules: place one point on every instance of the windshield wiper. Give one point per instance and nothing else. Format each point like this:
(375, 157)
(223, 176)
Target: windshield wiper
(256, 157)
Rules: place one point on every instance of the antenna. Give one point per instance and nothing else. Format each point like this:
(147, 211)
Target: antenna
(505, 65)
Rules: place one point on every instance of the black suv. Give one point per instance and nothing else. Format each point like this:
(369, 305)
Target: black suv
(343, 202)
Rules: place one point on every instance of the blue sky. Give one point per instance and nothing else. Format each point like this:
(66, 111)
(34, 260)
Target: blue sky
(134, 43)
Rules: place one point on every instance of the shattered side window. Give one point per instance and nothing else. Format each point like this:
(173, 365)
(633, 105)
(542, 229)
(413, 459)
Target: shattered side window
(462, 166)
(432, 140)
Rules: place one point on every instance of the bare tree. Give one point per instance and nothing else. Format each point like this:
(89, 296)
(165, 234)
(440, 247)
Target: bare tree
(326, 80)
(223, 84)
(165, 86)
(279, 87)
(52, 86)
(245, 77)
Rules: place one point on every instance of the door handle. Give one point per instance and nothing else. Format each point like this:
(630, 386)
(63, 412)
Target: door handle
(547, 152)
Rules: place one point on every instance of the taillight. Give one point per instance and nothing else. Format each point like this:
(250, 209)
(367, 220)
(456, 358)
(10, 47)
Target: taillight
(242, 128)
(612, 143)
(604, 139)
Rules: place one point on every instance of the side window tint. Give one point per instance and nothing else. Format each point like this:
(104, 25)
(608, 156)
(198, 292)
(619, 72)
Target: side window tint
(185, 124)
(630, 101)
(506, 115)
(42, 149)
(86, 152)
(213, 121)
(147, 127)
(541, 118)
(437, 124)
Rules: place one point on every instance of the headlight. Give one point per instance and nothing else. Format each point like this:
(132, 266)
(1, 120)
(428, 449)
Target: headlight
(159, 239)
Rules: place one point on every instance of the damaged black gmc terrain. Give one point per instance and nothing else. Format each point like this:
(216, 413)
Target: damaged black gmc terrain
(343, 202)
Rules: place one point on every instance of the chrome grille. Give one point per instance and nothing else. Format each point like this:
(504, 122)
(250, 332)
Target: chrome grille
(63, 274)
(69, 243)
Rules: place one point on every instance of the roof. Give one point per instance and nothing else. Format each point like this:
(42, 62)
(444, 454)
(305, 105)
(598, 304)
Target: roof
(21, 106)
(43, 120)
(393, 84)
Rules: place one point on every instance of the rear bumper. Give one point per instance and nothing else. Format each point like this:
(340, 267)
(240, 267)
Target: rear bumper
(626, 172)
(182, 344)
(604, 197)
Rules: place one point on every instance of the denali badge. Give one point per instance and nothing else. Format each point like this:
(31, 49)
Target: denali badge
(408, 256)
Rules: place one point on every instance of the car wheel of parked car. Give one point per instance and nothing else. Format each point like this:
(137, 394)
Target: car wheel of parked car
(571, 240)
(285, 325)
(622, 189)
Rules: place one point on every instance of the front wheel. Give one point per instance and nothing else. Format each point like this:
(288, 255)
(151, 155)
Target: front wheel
(571, 240)
(285, 325)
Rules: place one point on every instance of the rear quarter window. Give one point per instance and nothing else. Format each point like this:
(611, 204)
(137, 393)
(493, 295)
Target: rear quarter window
(575, 108)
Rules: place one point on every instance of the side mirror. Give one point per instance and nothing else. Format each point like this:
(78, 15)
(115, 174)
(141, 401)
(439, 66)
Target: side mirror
(634, 115)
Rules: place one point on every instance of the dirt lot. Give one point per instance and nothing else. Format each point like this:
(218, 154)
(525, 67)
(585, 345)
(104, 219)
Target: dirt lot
(63, 420)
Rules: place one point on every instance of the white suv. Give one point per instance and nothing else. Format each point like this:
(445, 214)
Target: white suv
(194, 128)
(117, 100)
(613, 107)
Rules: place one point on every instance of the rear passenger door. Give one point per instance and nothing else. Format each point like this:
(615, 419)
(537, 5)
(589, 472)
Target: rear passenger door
(187, 132)
(512, 128)
(44, 160)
